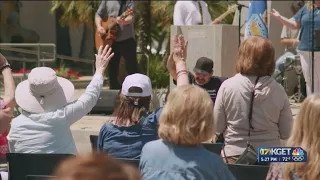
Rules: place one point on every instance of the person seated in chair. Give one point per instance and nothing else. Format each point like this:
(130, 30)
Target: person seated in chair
(47, 110)
(186, 122)
(133, 124)
(203, 76)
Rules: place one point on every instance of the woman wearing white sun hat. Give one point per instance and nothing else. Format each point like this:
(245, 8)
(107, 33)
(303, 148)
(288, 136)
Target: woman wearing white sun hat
(47, 113)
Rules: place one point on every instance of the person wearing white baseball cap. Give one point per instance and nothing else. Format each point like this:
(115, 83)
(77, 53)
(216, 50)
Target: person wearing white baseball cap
(133, 124)
(46, 110)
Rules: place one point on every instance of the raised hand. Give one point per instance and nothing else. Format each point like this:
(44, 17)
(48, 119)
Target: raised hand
(275, 13)
(179, 49)
(3, 60)
(102, 58)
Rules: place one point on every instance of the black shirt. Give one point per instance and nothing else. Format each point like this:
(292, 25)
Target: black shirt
(212, 86)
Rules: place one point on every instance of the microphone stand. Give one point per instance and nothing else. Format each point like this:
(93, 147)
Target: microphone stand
(312, 51)
(239, 20)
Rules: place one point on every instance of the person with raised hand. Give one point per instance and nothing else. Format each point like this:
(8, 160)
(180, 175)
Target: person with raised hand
(47, 110)
(134, 124)
(302, 21)
(7, 103)
(203, 75)
(185, 123)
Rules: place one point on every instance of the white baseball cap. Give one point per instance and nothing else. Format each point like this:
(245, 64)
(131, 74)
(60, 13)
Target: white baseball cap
(137, 80)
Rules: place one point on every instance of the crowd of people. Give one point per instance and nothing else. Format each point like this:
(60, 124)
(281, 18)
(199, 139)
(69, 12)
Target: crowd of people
(167, 141)
(245, 111)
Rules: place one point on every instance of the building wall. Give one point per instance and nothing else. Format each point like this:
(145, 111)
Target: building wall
(35, 15)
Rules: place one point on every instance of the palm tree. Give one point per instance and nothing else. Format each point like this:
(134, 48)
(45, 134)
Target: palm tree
(143, 31)
(77, 14)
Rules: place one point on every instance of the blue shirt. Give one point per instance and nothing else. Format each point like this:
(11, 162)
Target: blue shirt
(127, 142)
(163, 160)
(304, 16)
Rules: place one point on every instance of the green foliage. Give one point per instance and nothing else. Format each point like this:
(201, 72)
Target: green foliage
(67, 73)
(75, 13)
(158, 74)
(218, 8)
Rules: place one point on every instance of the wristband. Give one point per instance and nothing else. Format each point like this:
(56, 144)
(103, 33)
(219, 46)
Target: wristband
(181, 71)
(181, 74)
(5, 66)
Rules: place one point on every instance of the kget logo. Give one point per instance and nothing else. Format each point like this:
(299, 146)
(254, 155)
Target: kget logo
(275, 151)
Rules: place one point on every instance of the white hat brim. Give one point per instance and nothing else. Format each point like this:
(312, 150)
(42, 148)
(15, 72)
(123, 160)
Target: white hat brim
(60, 97)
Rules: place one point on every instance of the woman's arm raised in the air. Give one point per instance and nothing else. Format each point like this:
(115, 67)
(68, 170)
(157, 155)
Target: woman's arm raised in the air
(76, 110)
(8, 81)
(290, 23)
(176, 63)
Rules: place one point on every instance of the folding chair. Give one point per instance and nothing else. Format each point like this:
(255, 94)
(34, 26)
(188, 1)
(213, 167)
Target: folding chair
(22, 164)
(94, 141)
(133, 162)
(248, 172)
(39, 177)
(215, 148)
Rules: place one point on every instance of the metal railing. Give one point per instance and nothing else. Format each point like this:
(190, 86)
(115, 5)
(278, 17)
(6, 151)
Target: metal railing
(43, 57)
(38, 52)
(38, 60)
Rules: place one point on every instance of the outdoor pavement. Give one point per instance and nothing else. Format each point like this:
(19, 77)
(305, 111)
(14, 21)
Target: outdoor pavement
(91, 124)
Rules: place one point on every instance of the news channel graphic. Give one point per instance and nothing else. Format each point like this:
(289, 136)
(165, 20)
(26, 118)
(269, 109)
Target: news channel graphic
(282, 154)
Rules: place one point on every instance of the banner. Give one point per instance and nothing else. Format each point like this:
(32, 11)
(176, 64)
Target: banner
(257, 23)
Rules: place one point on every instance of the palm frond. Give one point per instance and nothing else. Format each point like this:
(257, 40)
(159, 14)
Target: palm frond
(75, 13)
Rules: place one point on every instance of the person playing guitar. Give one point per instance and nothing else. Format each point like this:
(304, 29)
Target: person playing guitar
(121, 35)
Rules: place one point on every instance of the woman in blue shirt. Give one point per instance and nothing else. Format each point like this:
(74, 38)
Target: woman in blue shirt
(133, 125)
(303, 21)
(186, 121)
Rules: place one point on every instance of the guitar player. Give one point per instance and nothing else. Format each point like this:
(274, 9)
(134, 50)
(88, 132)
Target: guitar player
(193, 12)
(124, 44)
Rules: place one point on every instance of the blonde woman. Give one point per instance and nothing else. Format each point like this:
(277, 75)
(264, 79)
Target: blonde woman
(303, 21)
(186, 121)
(306, 135)
(271, 113)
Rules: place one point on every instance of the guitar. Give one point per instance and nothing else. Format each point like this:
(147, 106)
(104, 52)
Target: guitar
(111, 27)
(230, 10)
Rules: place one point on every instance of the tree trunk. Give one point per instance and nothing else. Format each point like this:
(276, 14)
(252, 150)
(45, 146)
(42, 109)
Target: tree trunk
(87, 43)
(144, 32)
(166, 54)
(160, 43)
(62, 36)
(86, 49)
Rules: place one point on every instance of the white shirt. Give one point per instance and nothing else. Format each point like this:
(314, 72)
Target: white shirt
(188, 13)
(50, 132)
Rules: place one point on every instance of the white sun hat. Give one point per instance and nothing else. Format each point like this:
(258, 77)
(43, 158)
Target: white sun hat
(137, 80)
(43, 91)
